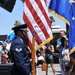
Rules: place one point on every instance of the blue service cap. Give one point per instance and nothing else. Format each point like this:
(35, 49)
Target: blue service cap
(20, 27)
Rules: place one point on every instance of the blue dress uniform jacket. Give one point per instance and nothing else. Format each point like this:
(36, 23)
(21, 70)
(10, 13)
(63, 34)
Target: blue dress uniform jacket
(20, 57)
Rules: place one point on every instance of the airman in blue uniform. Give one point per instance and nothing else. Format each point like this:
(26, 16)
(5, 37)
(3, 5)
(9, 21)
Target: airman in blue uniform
(20, 52)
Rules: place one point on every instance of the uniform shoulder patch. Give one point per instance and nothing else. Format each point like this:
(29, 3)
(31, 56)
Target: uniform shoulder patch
(18, 50)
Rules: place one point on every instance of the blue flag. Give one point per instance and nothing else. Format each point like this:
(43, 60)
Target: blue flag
(11, 35)
(72, 31)
(66, 11)
(61, 9)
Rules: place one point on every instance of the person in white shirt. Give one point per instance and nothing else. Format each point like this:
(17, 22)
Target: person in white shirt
(8, 45)
(65, 58)
(60, 47)
(8, 49)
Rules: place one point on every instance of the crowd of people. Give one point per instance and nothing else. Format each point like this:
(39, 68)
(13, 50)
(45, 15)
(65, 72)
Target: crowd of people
(20, 54)
(4, 53)
(64, 58)
(67, 66)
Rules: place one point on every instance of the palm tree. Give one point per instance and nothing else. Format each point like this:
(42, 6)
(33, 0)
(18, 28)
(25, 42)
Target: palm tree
(17, 23)
(52, 19)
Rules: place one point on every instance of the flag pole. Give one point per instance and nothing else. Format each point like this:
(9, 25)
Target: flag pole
(33, 55)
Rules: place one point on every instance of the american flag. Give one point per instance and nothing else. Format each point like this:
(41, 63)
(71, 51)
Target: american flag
(36, 16)
(47, 2)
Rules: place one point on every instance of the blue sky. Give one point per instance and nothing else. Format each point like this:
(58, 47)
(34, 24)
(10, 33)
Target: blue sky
(8, 19)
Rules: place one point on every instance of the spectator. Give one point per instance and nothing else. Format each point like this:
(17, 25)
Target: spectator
(8, 44)
(10, 38)
(40, 58)
(49, 49)
(4, 55)
(8, 49)
(65, 57)
(60, 47)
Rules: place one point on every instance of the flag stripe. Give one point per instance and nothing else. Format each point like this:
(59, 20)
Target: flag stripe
(34, 24)
(31, 28)
(44, 13)
(29, 33)
(45, 20)
(36, 16)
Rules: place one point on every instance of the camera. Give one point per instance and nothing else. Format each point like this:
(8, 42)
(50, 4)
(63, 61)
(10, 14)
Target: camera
(62, 41)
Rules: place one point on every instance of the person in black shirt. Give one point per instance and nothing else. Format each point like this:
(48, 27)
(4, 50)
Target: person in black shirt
(49, 49)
